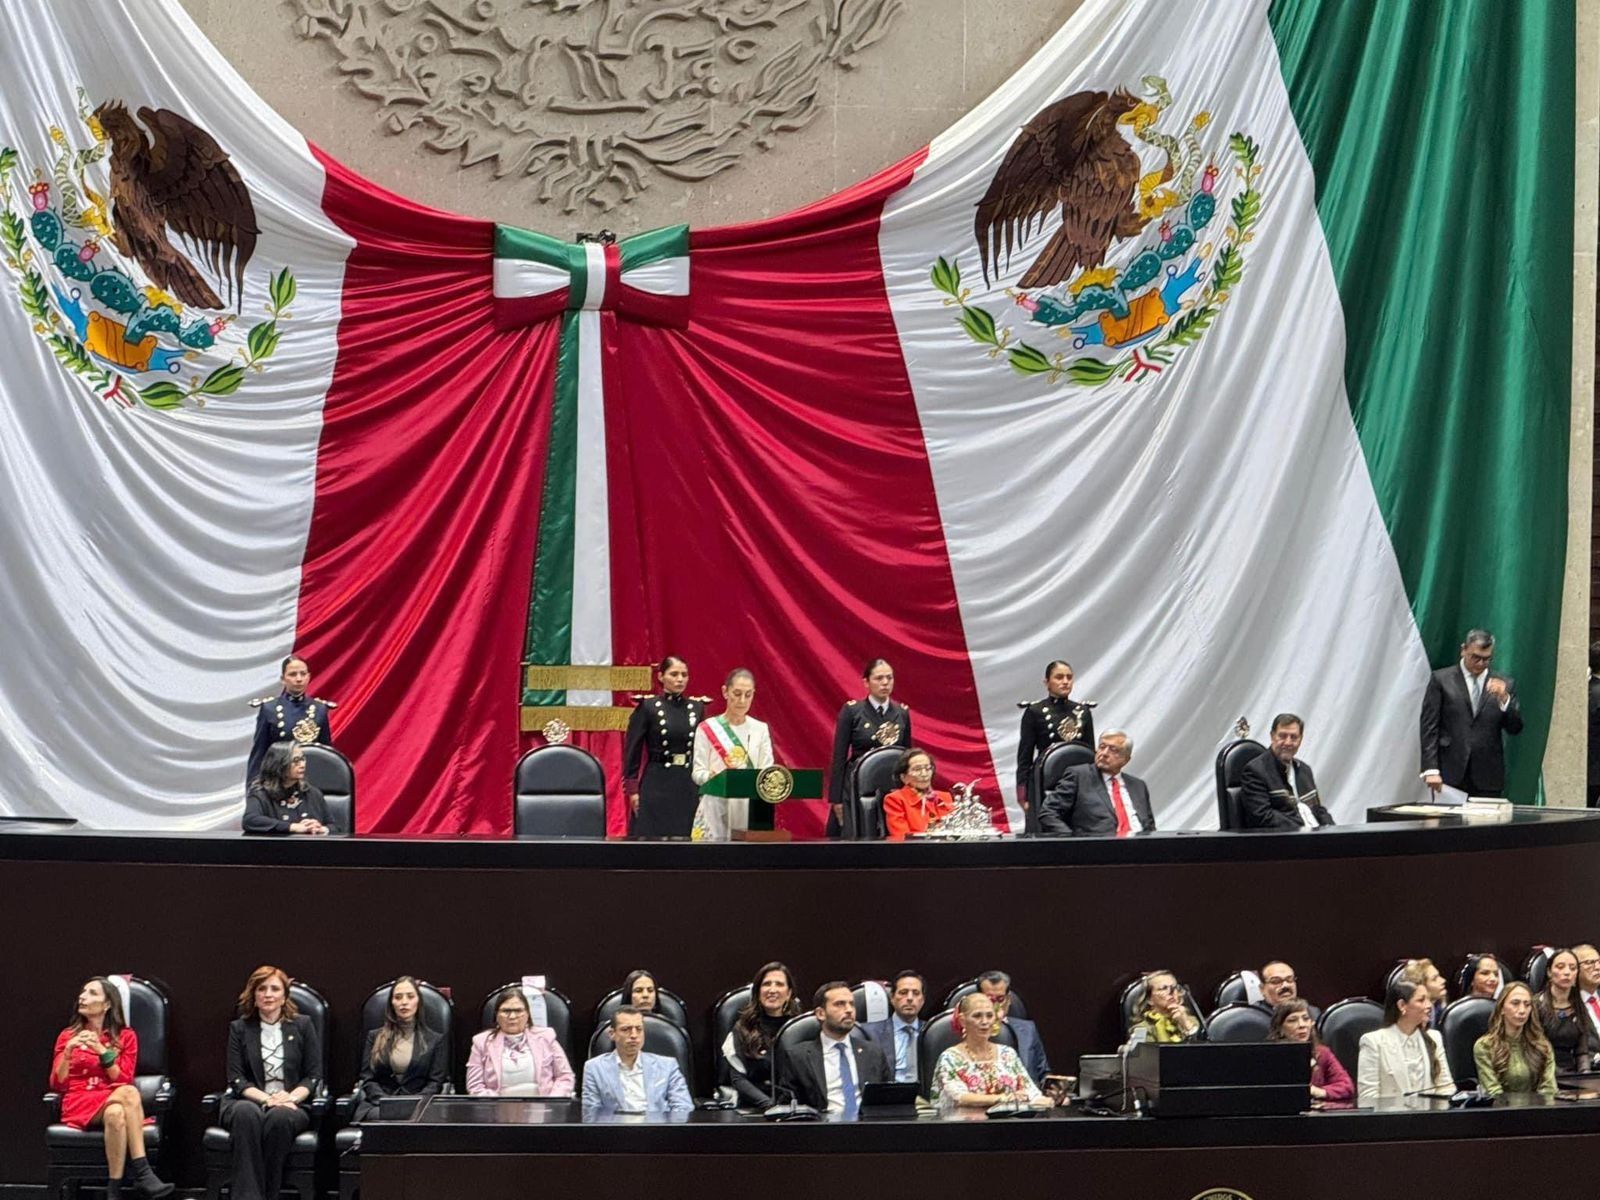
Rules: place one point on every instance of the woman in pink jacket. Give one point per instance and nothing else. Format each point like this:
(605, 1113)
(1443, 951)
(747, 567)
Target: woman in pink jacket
(514, 1058)
(1331, 1084)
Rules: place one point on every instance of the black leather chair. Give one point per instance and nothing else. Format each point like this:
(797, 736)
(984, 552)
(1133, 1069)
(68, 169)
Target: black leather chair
(332, 774)
(560, 792)
(795, 1030)
(1343, 1024)
(668, 1005)
(661, 1036)
(1018, 1008)
(78, 1155)
(438, 1014)
(871, 778)
(1232, 759)
(1238, 1023)
(723, 1014)
(1047, 772)
(300, 1171)
(1463, 1023)
(1230, 991)
(558, 1015)
(937, 1036)
(1537, 967)
(1130, 996)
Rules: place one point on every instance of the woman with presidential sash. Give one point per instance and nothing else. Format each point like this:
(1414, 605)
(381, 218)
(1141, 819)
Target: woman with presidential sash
(735, 740)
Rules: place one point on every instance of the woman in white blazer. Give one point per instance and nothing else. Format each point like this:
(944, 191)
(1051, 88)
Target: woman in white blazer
(1405, 1056)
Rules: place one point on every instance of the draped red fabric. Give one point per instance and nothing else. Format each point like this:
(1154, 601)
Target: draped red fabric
(414, 588)
(772, 501)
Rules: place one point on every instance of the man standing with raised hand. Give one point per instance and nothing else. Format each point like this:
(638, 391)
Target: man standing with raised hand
(1465, 711)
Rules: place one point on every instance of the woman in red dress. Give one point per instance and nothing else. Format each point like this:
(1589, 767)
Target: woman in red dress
(914, 805)
(93, 1068)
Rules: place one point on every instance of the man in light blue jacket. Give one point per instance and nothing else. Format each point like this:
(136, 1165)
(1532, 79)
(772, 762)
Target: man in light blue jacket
(630, 1081)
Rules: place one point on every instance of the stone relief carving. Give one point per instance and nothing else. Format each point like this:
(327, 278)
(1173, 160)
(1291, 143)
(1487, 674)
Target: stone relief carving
(590, 98)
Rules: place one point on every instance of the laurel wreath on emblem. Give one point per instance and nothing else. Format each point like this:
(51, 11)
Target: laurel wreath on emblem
(1147, 310)
(107, 292)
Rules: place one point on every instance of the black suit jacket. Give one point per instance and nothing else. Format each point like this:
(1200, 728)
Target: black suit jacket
(1264, 795)
(1041, 729)
(425, 1075)
(802, 1074)
(857, 732)
(1454, 741)
(1081, 804)
(302, 1056)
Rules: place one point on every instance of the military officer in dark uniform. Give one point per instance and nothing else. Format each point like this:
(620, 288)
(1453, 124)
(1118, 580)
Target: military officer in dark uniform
(1045, 723)
(865, 725)
(290, 716)
(658, 756)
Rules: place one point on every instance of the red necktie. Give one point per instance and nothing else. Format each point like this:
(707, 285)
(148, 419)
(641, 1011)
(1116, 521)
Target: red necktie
(1116, 800)
(1594, 1006)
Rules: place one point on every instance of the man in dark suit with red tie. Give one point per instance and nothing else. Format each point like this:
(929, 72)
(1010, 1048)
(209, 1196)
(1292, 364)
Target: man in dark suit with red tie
(1465, 711)
(1100, 799)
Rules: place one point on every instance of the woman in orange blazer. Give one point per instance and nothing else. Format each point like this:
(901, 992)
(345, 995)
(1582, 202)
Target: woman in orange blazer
(914, 805)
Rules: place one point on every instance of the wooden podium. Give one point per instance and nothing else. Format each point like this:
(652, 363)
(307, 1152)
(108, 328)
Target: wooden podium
(762, 791)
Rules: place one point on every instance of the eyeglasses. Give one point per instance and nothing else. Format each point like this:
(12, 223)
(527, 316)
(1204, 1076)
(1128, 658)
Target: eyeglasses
(1165, 987)
(1589, 962)
(1278, 980)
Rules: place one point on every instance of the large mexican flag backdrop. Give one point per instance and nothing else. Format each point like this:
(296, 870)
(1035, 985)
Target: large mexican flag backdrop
(1224, 352)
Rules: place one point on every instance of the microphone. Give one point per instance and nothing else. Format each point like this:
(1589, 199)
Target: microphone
(793, 1110)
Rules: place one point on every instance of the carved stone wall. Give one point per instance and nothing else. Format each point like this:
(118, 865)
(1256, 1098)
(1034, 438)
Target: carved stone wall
(570, 114)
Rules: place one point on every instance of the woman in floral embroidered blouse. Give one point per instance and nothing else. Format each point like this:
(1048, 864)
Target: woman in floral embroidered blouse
(979, 1073)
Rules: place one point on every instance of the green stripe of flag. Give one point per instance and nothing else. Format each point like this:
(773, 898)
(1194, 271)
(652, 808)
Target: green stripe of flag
(1442, 142)
(656, 244)
(549, 636)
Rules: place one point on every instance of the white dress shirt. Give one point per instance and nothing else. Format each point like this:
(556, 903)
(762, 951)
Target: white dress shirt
(831, 1073)
(634, 1098)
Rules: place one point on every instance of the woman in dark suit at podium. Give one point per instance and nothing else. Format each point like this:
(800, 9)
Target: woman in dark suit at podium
(865, 725)
(657, 756)
(402, 1057)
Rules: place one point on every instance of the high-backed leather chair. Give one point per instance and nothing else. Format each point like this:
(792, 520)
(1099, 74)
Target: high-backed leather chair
(78, 1155)
(300, 1170)
(723, 1014)
(1047, 772)
(1537, 966)
(558, 1015)
(938, 1035)
(794, 1031)
(438, 1014)
(332, 774)
(1232, 759)
(661, 1036)
(560, 792)
(1463, 1023)
(668, 1005)
(1238, 1023)
(1018, 1008)
(1344, 1023)
(871, 778)
(1230, 991)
